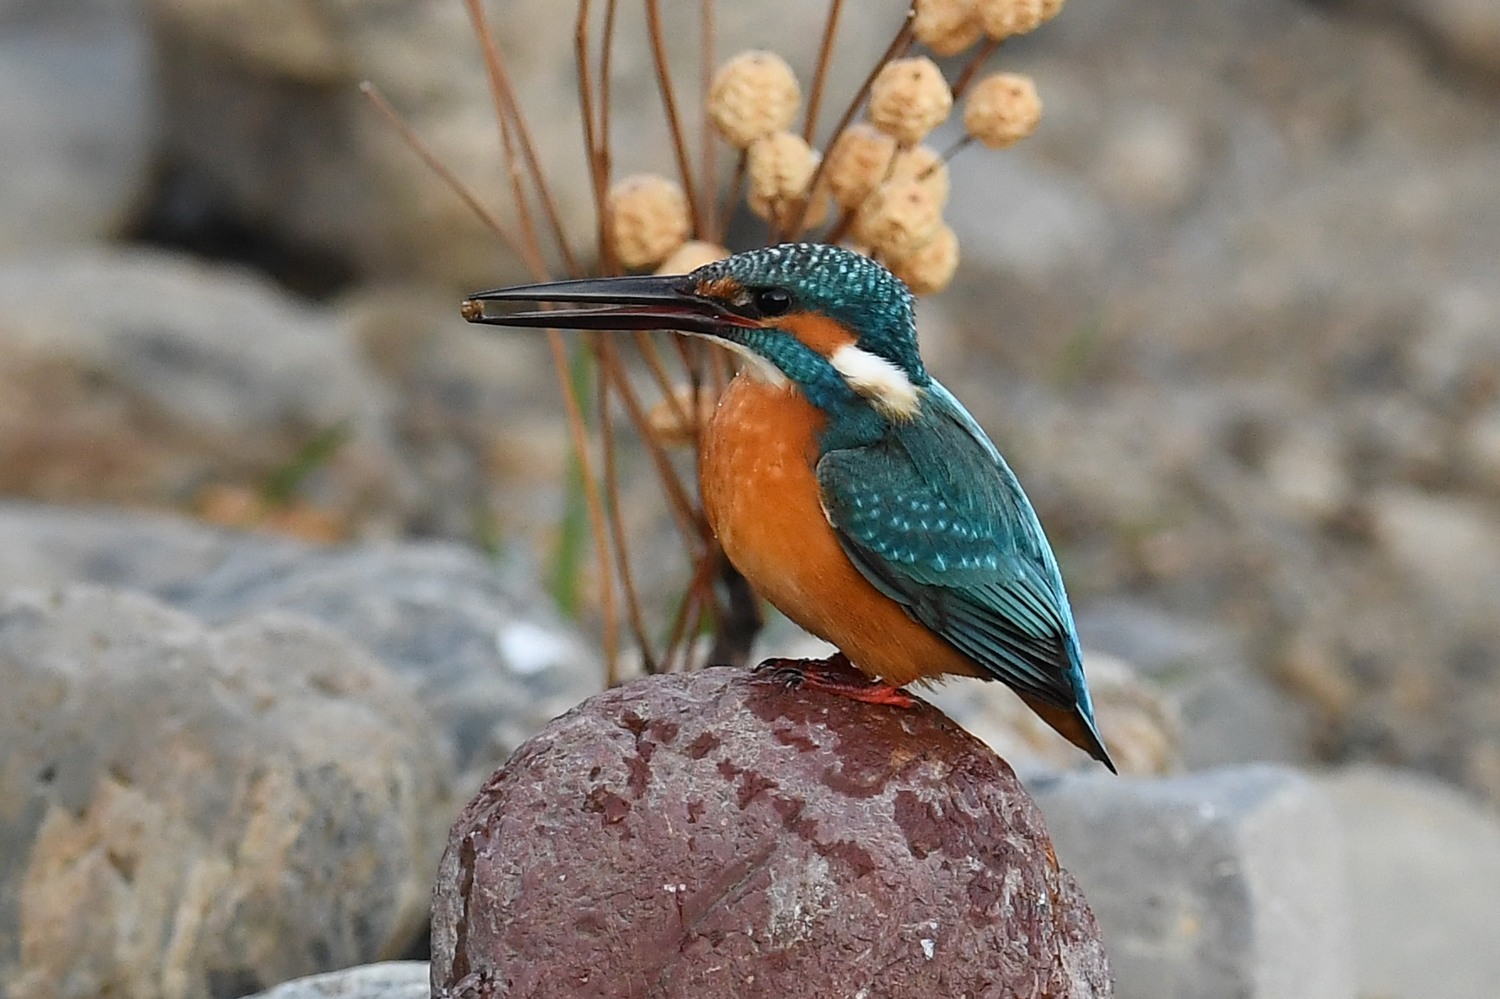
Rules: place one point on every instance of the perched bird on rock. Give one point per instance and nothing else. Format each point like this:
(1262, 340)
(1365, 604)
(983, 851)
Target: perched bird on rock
(851, 489)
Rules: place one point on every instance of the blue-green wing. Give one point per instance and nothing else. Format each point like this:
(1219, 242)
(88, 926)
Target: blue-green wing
(934, 519)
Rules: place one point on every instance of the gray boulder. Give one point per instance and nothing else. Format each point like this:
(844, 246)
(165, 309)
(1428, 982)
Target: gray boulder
(1424, 871)
(137, 375)
(194, 812)
(481, 647)
(1224, 883)
(486, 654)
(388, 980)
(77, 120)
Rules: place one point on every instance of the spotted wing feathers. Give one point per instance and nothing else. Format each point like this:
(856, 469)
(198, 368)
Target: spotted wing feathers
(934, 519)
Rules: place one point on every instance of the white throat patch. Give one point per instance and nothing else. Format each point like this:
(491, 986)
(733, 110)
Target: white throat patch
(876, 379)
(755, 366)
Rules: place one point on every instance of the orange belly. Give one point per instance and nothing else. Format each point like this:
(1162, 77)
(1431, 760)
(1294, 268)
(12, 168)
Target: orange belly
(761, 496)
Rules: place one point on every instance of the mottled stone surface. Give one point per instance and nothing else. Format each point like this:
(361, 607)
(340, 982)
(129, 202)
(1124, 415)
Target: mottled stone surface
(1229, 882)
(713, 834)
(188, 812)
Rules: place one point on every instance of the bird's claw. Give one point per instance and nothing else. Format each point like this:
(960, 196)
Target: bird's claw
(835, 675)
(787, 672)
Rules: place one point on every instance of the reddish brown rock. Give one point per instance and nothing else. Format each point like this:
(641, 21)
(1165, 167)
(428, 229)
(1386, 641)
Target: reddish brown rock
(713, 834)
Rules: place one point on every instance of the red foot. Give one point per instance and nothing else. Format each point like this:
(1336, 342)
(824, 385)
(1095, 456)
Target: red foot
(836, 675)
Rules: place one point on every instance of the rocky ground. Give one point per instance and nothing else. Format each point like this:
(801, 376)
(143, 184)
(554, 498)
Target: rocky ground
(1232, 314)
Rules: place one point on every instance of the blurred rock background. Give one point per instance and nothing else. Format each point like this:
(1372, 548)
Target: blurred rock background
(1233, 314)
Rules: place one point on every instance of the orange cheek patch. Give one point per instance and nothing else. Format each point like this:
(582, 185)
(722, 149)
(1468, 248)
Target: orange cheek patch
(820, 333)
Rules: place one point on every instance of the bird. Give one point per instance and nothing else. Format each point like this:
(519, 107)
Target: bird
(852, 490)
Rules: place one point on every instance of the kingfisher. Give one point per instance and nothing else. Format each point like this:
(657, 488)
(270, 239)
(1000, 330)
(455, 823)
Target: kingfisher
(849, 487)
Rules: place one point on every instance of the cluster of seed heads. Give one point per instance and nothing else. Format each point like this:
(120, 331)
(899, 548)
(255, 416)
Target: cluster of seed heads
(889, 188)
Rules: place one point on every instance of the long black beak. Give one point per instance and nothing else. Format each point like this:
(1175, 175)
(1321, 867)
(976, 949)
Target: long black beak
(616, 303)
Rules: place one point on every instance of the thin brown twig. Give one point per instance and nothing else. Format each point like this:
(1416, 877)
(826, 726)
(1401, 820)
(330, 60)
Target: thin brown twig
(820, 75)
(458, 187)
(958, 146)
(579, 433)
(708, 158)
(503, 94)
(673, 648)
(898, 45)
(700, 583)
(616, 518)
(689, 520)
(647, 348)
(967, 74)
(598, 162)
(669, 105)
(533, 256)
(606, 126)
(736, 185)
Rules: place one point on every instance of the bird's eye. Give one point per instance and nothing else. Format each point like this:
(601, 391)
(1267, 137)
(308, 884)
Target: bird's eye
(772, 301)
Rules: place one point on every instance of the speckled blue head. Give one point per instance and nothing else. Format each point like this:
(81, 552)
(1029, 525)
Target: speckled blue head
(846, 287)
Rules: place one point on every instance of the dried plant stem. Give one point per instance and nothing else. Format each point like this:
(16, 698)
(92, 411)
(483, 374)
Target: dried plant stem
(740, 621)
(820, 74)
(579, 433)
(959, 145)
(736, 187)
(606, 119)
(616, 519)
(669, 105)
(708, 159)
(690, 523)
(598, 153)
(426, 155)
(898, 45)
(503, 94)
(647, 347)
(535, 261)
(692, 598)
(975, 64)
(577, 428)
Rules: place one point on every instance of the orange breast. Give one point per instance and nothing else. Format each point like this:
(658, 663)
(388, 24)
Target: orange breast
(761, 496)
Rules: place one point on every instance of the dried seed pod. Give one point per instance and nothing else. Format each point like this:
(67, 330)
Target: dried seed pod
(1002, 109)
(751, 96)
(780, 168)
(947, 27)
(925, 164)
(909, 98)
(690, 256)
(858, 163)
(671, 421)
(1003, 18)
(648, 219)
(930, 269)
(899, 218)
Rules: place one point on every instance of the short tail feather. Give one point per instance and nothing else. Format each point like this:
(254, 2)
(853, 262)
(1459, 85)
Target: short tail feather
(1074, 725)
